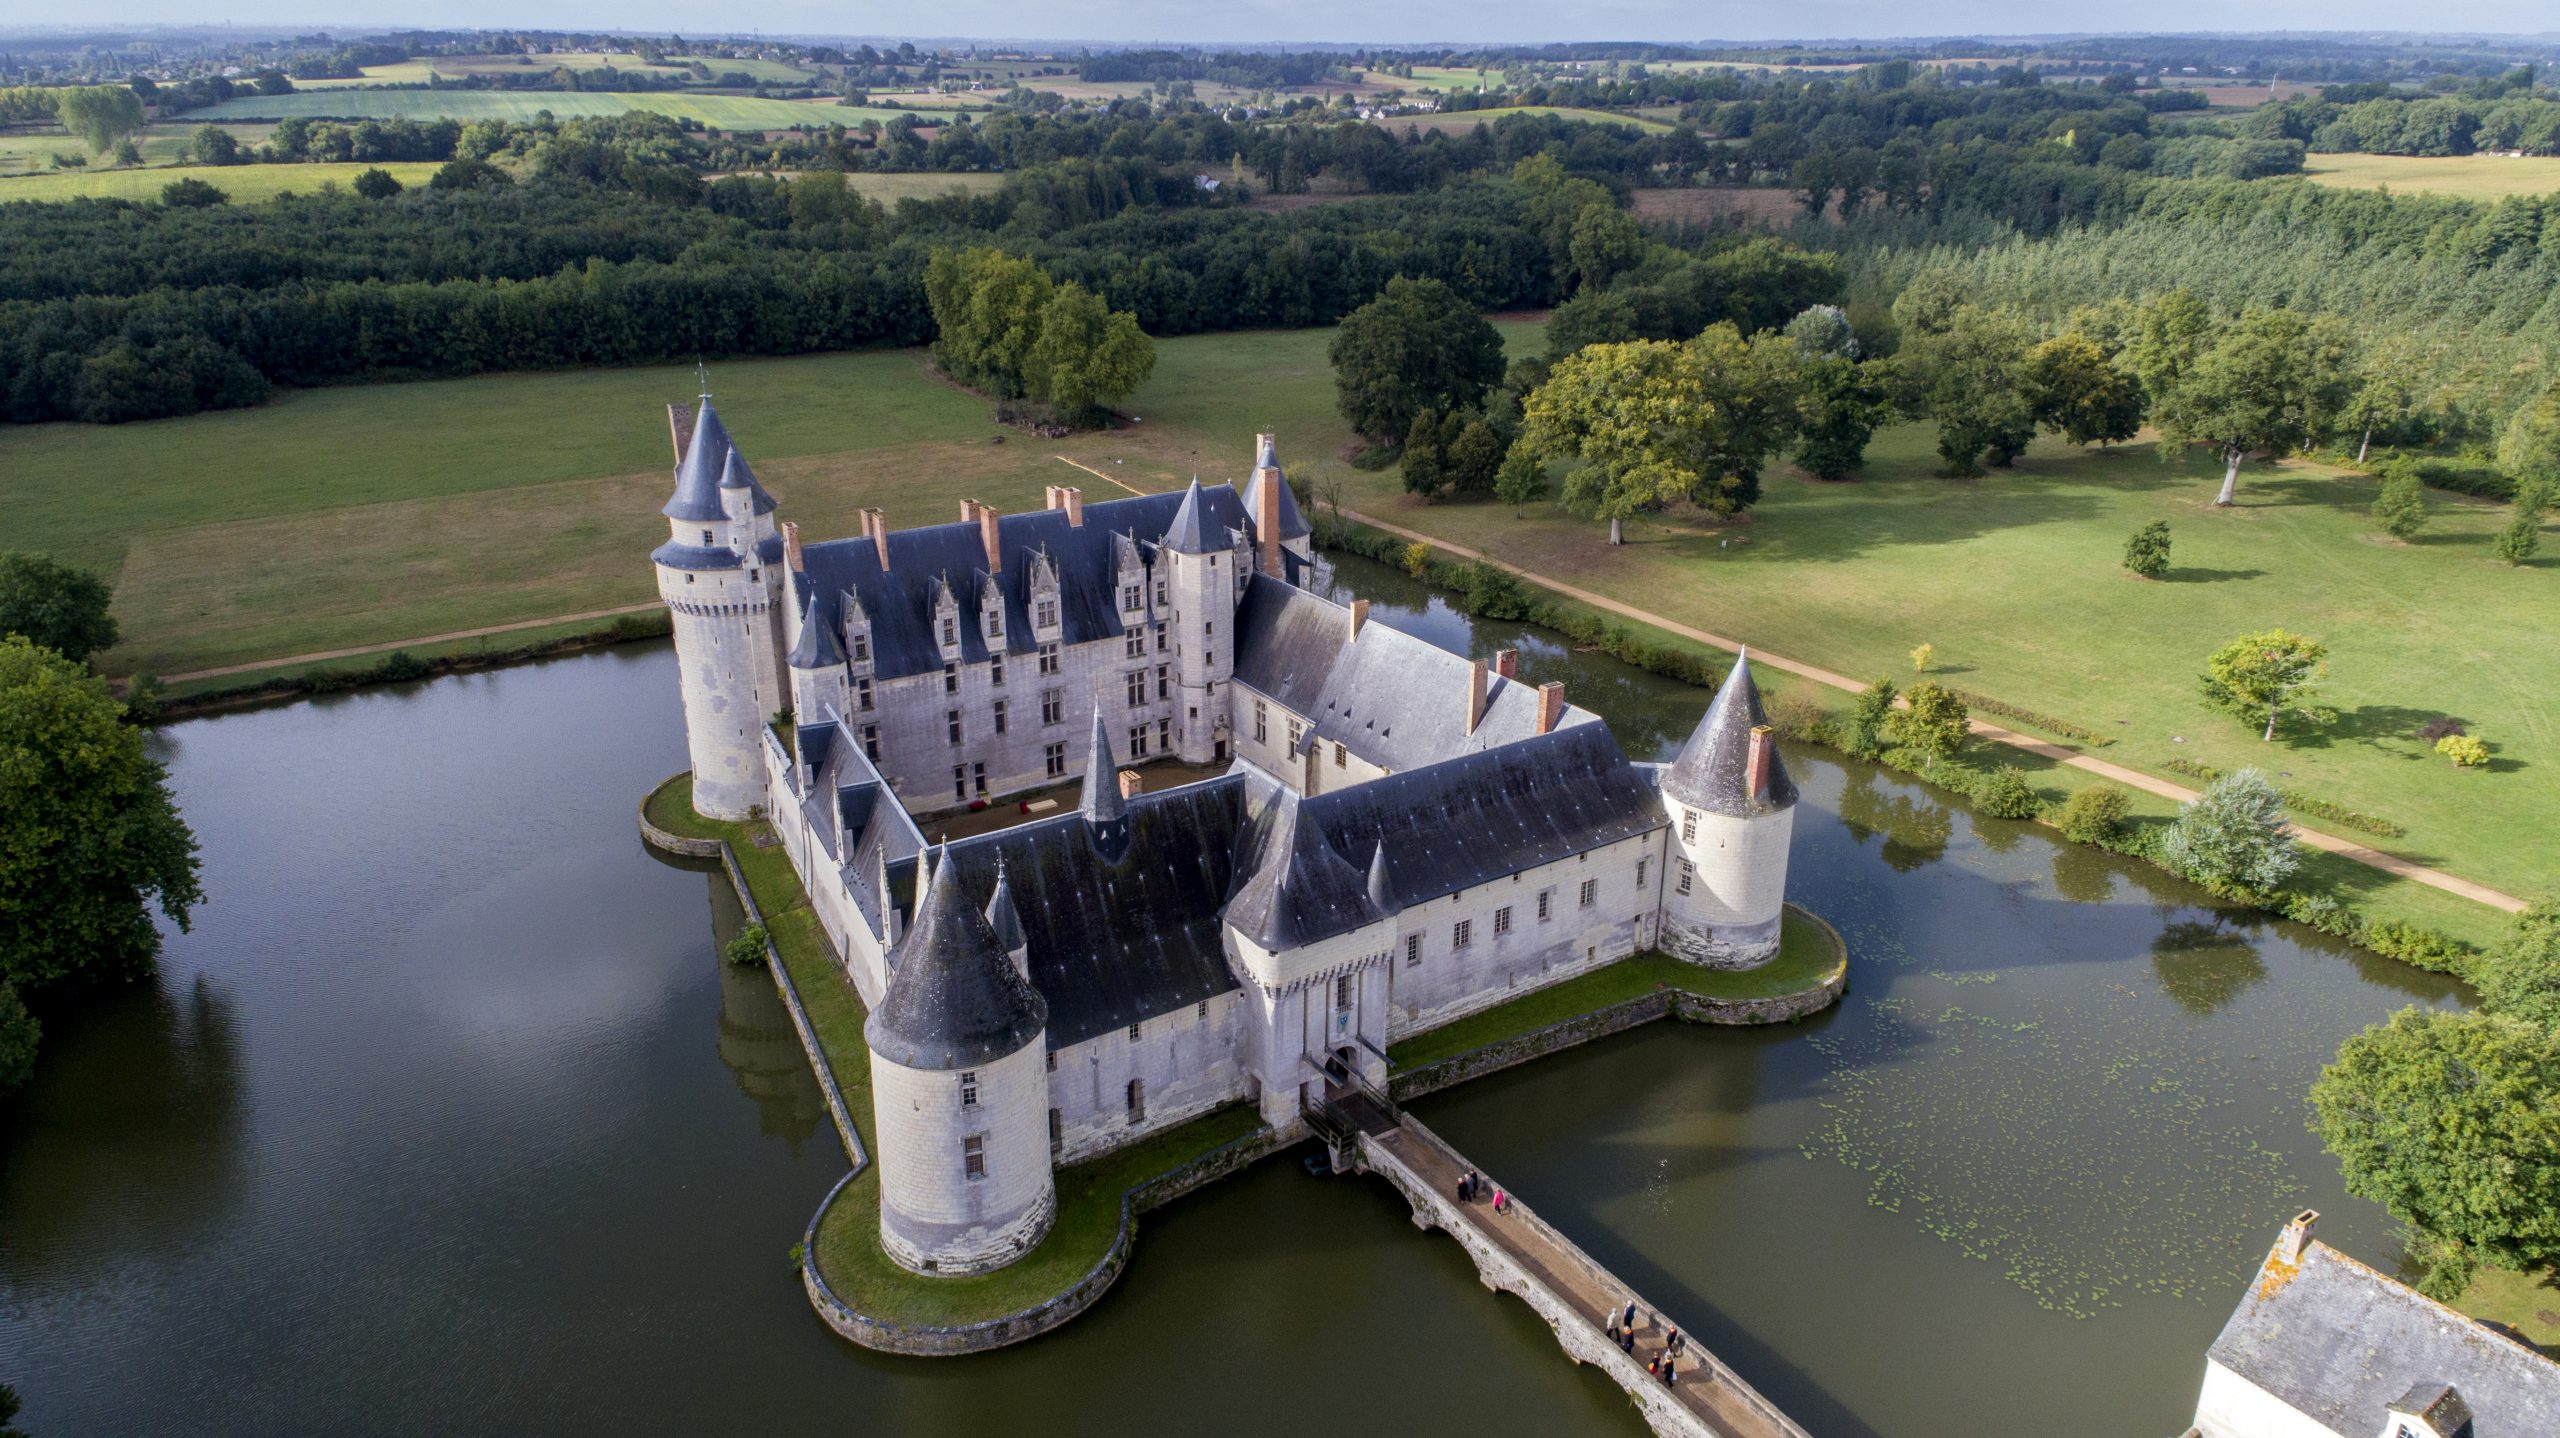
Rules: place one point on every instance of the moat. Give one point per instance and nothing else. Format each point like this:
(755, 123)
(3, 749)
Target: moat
(445, 1118)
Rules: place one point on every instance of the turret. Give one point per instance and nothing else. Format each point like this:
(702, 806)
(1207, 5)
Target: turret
(1732, 811)
(820, 682)
(720, 573)
(960, 1092)
(1105, 809)
(1273, 511)
(1201, 561)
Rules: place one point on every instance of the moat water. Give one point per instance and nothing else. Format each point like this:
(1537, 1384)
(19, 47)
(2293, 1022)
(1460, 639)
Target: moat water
(445, 1118)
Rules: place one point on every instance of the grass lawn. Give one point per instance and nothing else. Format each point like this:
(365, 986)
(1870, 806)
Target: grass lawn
(719, 112)
(2527, 1303)
(2466, 177)
(1808, 953)
(240, 182)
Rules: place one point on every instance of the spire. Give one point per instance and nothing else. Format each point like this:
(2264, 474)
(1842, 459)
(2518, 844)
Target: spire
(1001, 915)
(1713, 771)
(1106, 814)
(1382, 894)
(735, 475)
(819, 646)
(1190, 531)
(698, 476)
(954, 998)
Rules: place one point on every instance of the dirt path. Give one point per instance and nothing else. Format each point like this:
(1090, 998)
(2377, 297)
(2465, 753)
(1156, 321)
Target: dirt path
(1098, 474)
(319, 655)
(2453, 884)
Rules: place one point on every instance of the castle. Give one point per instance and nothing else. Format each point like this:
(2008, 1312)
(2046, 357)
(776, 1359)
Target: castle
(1400, 835)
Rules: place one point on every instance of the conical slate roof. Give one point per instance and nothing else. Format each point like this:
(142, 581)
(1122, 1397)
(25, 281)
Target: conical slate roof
(1101, 802)
(955, 998)
(1293, 525)
(1713, 770)
(818, 646)
(1002, 917)
(1382, 894)
(1301, 890)
(698, 477)
(734, 474)
(1190, 532)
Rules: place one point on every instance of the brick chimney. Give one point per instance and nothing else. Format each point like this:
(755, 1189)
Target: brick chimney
(1049, 498)
(1359, 616)
(1506, 662)
(1074, 495)
(1266, 524)
(1477, 671)
(969, 511)
(680, 425)
(1755, 769)
(1131, 782)
(875, 523)
(991, 536)
(2296, 1237)
(791, 547)
(1550, 705)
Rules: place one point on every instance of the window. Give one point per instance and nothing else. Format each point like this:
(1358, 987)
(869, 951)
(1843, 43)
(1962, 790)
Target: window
(862, 648)
(1054, 758)
(1546, 904)
(1261, 722)
(1135, 645)
(1204, 1011)
(995, 669)
(1164, 736)
(1688, 875)
(1132, 595)
(1341, 757)
(1590, 892)
(862, 694)
(1057, 1131)
(1053, 1060)
(1137, 741)
(959, 781)
(978, 778)
(1160, 594)
(1046, 616)
(950, 631)
(999, 718)
(871, 741)
(1296, 730)
(1209, 657)
(1688, 825)
(968, 1088)
(1164, 682)
(1462, 933)
(1137, 1100)
(1208, 626)
(950, 678)
(995, 624)
(1134, 1029)
(1641, 865)
(1137, 686)
(1502, 920)
(706, 538)
(1053, 705)
(1048, 658)
(1164, 638)
(1342, 991)
(973, 1157)
(952, 717)
(1412, 950)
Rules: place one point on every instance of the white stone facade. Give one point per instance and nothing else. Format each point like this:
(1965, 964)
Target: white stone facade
(965, 1176)
(1728, 886)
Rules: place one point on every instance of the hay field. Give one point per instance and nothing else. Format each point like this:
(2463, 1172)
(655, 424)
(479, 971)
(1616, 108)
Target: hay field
(242, 183)
(718, 112)
(2462, 177)
(1461, 121)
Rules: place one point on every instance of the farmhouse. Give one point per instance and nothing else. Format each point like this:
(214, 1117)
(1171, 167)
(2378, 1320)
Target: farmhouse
(1399, 835)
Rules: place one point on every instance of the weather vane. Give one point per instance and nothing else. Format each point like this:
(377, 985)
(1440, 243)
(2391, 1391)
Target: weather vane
(702, 373)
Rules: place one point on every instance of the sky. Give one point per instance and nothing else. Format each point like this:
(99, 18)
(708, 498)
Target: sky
(1454, 22)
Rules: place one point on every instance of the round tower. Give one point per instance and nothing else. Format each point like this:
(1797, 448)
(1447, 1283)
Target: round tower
(1202, 555)
(960, 1091)
(720, 573)
(1732, 809)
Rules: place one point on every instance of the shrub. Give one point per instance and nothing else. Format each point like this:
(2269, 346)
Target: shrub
(747, 946)
(2095, 814)
(400, 667)
(2005, 794)
(2516, 543)
(1921, 656)
(2401, 509)
(190, 194)
(2465, 750)
(2522, 975)
(1417, 559)
(2233, 836)
(2147, 552)
(1490, 593)
(376, 184)
(2418, 947)
(1801, 716)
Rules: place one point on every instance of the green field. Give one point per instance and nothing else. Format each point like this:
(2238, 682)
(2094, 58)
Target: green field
(2466, 177)
(719, 112)
(1460, 121)
(454, 67)
(240, 182)
(27, 152)
(891, 186)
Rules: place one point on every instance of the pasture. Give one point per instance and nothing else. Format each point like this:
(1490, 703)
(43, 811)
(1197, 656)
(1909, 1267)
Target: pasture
(242, 183)
(718, 112)
(1459, 122)
(2462, 177)
(428, 68)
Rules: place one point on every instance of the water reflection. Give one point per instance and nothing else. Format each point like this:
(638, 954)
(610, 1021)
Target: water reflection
(2204, 965)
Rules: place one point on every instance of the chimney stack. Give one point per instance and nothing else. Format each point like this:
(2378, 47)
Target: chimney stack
(1506, 662)
(1266, 523)
(991, 536)
(1359, 616)
(680, 424)
(2296, 1237)
(1075, 505)
(1476, 672)
(1756, 768)
(791, 547)
(969, 511)
(1550, 705)
(875, 523)
(1050, 499)
(1131, 782)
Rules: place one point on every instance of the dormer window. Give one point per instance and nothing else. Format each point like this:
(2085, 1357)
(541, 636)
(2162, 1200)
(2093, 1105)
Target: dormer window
(861, 648)
(1046, 615)
(995, 624)
(950, 632)
(1132, 595)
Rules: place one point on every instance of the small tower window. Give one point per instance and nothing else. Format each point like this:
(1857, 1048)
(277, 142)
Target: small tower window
(973, 1157)
(706, 538)
(862, 649)
(862, 694)
(1688, 875)
(995, 669)
(1688, 825)
(871, 741)
(1546, 904)
(1164, 682)
(1164, 638)
(950, 678)
(1057, 1131)
(1341, 757)
(1133, 1031)
(953, 717)
(1641, 866)
(969, 1088)
(1412, 950)
(1047, 614)
(1342, 991)
(1137, 1100)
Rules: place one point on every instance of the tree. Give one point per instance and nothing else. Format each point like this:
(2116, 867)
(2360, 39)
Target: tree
(2170, 331)
(376, 184)
(1969, 378)
(9, 1413)
(2521, 976)
(2072, 386)
(1606, 243)
(2006, 794)
(1839, 405)
(61, 608)
(2522, 534)
(986, 315)
(1522, 480)
(1475, 457)
(99, 114)
(1426, 457)
(2464, 751)
(2264, 673)
(1933, 721)
(2401, 508)
(1870, 717)
(191, 194)
(2147, 552)
(2451, 1122)
(89, 835)
(2095, 814)
(128, 154)
(2272, 382)
(2529, 442)
(1652, 422)
(213, 145)
(1419, 345)
(1824, 332)
(1088, 356)
(2233, 835)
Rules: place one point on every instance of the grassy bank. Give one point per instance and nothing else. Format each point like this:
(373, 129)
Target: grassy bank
(1808, 953)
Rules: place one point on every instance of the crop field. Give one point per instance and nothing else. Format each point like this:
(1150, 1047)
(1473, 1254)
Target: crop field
(240, 182)
(1764, 207)
(1461, 121)
(456, 67)
(718, 112)
(29, 152)
(2466, 177)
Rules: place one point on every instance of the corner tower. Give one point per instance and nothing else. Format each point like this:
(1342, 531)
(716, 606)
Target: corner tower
(960, 1092)
(720, 573)
(1732, 811)
(1201, 557)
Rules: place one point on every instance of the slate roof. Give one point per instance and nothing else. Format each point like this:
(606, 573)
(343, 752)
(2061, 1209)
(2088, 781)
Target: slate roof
(1301, 888)
(1113, 943)
(1193, 530)
(954, 998)
(1712, 771)
(2341, 1343)
(698, 474)
(899, 602)
(821, 641)
(1293, 525)
(1397, 701)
